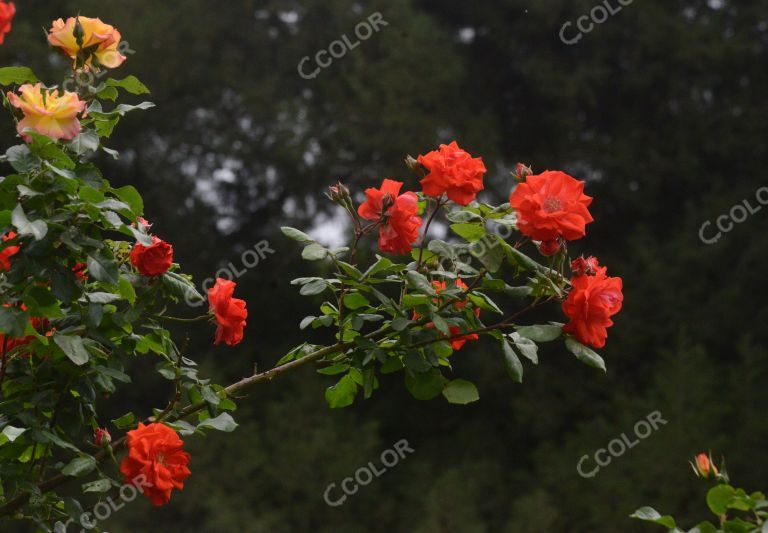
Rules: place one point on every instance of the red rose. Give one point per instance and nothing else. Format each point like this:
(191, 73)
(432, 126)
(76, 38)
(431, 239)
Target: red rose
(156, 462)
(399, 216)
(458, 342)
(8, 252)
(551, 205)
(590, 305)
(230, 312)
(7, 11)
(452, 171)
(154, 259)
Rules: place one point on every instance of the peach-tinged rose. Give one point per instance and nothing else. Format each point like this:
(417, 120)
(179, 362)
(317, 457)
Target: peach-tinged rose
(47, 113)
(97, 34)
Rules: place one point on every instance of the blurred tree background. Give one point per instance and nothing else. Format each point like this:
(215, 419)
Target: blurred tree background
(662, 109)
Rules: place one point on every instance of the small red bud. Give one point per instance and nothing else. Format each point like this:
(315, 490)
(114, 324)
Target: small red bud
(549, 248)
(521, 172)
(101, 437)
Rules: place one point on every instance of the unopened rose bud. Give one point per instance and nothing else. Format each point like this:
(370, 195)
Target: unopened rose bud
(338, 193)
(386, 202)
(549, 248)
(101, 437)
(705, 468)
(521, 172)
(78, 33)
(414, 165)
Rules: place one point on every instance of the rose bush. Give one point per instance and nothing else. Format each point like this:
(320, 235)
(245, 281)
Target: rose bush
(86, 289)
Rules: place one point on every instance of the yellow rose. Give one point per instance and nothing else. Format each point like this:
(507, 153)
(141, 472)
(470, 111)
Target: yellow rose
(47, 113)
(95, 33)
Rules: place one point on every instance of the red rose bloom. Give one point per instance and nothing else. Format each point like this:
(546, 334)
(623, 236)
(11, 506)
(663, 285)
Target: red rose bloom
(452, 171)
(80, 270)
(590, 305)
(8, 252)
(7, 11)
(401, 222)
(551, 205)
(154, 259)
(156, 462)
(458, 342)
(230, 312)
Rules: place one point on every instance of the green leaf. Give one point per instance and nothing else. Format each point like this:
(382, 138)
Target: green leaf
(584, 354)
(13, 321)
(461, 392)
(131, 196)
(541, 333)
(79, 466)
(124, 421)
(526, 347)
(86, 141)
(418, 281)
(102, 268)
(126, 290)
(355, 300)
(297, 235)
(314, 252)
(10, 434)
(649, 514)
(342, 394)
(425, 386)
(181, 287)
(98, 486)
(17, 76)
(719, 497)
(22, 159)
(130, 84)
(223, 422)
(470, 232)
(73, 348)
(313, 287)
(38, 229)
(489, 253)
(512, 362)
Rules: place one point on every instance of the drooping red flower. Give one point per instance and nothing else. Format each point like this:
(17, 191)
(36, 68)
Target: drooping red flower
(156, 462)
(7, 12)
(154, 259)
(454, 172)
(398, 213)
(80, 270)
(581, 266)
(8, 252)
(592, 302)
(549, 248)
(458, 342)
(230, 312)
(551, 205)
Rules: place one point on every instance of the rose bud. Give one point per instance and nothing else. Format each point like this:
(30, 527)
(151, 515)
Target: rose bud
(414, 165)
(521, 172)
(339, 194)
(101, 437)
(549, 248)
(705, 468)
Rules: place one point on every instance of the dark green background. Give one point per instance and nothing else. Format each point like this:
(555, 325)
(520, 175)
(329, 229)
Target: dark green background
(662, 109)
